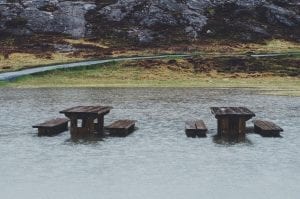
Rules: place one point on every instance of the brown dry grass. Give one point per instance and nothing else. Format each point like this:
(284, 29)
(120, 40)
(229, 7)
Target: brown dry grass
(159, 75)
(16, 54)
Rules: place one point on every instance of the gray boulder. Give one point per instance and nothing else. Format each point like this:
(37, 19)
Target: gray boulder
(277, 14)
(148, 20)
(47, 16)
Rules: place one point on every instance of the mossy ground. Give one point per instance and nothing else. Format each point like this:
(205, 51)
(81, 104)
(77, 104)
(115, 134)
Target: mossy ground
(34, 51)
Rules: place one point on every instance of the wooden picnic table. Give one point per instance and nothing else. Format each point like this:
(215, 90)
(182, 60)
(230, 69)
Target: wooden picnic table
(86, 120)
(232, 120)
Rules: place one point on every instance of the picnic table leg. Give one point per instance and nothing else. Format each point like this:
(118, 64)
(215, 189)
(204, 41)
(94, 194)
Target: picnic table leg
(242, 126)
(84, 122)
(73, 129)
(42, 131)
(223, 127)
(101, 125)
(90, 126)
(232, 126)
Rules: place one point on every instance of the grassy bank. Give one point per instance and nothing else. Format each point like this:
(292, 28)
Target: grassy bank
(20, 53)
(277, 75)
(164, 74)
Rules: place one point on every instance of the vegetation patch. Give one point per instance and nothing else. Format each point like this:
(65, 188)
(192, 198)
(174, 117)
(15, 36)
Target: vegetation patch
(222, 56)
(49, 8)
(3, 83)
(280, 66)
(18, 61)
(159, 73)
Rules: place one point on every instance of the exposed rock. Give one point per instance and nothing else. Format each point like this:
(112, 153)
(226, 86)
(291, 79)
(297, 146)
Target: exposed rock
(148, 20)
(143, 36)
(45, 16)
(64, 48)
(276, 14)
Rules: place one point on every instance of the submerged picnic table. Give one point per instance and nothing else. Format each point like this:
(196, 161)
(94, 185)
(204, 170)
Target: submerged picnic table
(86, 120)
(232, 120)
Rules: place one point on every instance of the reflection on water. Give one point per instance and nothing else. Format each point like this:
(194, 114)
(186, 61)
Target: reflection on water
(86, 140)
(157, 160)
(231, 140)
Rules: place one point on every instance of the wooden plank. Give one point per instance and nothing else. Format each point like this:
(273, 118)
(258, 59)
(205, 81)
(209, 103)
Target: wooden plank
(51, 123)
(267, 125)
(122, 124)
(190, 125)
(229, 111)
(223, 126)
(87, 110)
(200, 125)
(121, 128)
(232, 125)
(195, 128)
(267, 128)
(52, 127)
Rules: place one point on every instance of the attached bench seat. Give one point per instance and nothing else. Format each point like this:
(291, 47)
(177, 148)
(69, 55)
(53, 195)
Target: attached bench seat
(52, 127)
(121, 128)
(195, 128)
(267, 128)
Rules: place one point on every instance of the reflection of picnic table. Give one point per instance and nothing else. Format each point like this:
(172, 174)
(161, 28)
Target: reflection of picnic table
(86, 120)
(232, 120)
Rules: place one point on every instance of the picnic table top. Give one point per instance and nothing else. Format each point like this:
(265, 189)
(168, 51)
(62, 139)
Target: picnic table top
(97, 110)
(230, 111)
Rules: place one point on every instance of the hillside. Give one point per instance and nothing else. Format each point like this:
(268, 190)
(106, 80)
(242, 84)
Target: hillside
(154, 21)
(220, 35)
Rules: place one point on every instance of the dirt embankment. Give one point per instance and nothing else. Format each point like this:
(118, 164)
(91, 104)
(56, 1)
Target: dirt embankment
(232, 66)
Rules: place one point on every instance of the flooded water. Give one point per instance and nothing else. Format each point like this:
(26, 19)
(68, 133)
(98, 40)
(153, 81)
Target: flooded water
(157, 160)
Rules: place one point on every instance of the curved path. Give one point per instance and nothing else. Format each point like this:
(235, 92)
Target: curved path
(8, 76)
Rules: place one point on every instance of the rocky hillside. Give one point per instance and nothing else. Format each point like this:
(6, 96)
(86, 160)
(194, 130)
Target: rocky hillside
(154, 20)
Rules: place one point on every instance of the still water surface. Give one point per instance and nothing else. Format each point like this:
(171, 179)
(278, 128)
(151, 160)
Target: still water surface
(157, 160)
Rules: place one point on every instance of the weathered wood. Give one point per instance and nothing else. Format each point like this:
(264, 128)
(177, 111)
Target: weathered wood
(267, 128)
(73, 129)
(195, 128)
(231, 111)
(232, 120)
(52, 127)
(121, 128)
(88, 115)
(98, 110)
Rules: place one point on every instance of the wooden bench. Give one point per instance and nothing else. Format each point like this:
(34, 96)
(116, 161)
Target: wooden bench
(121, 128)
(195, 129)
(267, 128)
(52, 127)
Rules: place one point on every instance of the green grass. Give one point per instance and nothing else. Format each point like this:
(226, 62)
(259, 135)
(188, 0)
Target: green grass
(122, 75)
(19, 61)
(25, 58)
(3, 83)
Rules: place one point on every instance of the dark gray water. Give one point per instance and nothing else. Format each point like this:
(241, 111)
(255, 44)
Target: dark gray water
(156, 161)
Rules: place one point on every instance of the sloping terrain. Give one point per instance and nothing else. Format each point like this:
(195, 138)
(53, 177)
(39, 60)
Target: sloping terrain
(154, 21)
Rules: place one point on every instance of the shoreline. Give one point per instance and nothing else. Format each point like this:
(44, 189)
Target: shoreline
(275, 76)
(288, 88)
